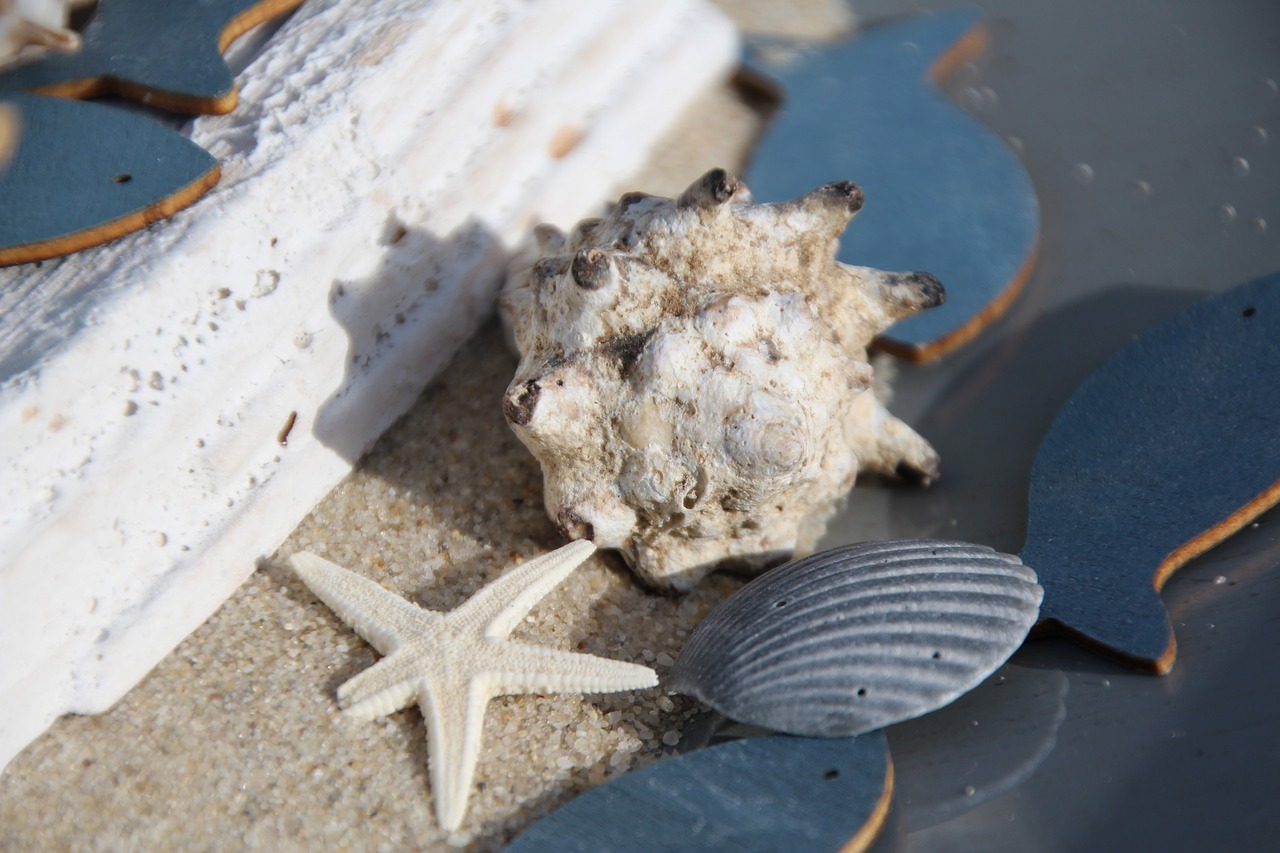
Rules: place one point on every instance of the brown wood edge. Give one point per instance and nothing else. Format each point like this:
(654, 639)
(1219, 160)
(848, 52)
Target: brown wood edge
(974, 42)
(973, 326)
(251, 17)
(106, 231)
(1176, 559)
(10, 133)
(964, 49)
(106, 85)
(1188, 551)
(871, 830)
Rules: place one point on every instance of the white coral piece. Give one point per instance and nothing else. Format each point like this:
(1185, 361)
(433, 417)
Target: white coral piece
(28, 27)
(692, 376)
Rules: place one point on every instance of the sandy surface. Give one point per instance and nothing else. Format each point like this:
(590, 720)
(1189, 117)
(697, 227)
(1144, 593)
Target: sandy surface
(235, 739)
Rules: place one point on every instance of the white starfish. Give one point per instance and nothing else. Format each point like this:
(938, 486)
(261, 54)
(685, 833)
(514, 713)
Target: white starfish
(454, 663)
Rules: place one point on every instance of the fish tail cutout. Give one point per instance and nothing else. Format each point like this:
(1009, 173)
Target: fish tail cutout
(1133, 627)
(1154, 658)
(1157, 649)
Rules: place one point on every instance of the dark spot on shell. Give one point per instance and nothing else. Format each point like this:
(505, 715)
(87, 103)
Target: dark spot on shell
(720, 184)
(632, 198)
(626, 349)
(914, 474)
(573, 526)
(1250, 311)
(831, 774)
(518, 405)
(925, 290)
(590, 269)
(711, 190)
(548, 269)
(847, 192)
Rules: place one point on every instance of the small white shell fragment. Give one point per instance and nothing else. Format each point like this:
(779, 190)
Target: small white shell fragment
(693, 371)
(858, 638)
(28, 28)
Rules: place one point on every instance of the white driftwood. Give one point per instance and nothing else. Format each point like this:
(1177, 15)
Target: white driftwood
(385, 158)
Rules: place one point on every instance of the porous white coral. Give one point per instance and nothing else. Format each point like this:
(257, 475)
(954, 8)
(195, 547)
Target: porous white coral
(693, 376)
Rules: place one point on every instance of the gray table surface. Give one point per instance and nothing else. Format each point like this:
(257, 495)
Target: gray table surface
(1151, 131)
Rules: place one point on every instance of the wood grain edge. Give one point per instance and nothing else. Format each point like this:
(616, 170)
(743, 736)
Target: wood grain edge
(251, 17)
(88, 88)
(1189, 550)
(10, 133)
(139, 219)
(968, 47)
(972, 327)
(871, 830)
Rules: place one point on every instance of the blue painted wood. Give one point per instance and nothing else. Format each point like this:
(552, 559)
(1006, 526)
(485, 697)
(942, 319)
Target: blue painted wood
(1167, 449)
(943, 193)
(767, 794)
(84, 173)
(166, 53)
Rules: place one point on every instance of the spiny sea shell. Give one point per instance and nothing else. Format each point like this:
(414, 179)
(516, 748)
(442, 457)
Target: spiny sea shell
(861, 637)
(693, 374)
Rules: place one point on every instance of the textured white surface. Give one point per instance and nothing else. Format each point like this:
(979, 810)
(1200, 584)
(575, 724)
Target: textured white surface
(384, 159)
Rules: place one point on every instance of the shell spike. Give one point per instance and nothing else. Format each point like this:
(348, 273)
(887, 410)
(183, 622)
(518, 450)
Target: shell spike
(908, 293)
(548, 237)
(715, 188)
(832, 205)
(591, 269)
(581, 232)
(547, 270)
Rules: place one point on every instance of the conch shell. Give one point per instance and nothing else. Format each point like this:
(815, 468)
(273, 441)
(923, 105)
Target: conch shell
(694, 377)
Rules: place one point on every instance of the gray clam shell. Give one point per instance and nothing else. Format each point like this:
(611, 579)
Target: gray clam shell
(857, 638)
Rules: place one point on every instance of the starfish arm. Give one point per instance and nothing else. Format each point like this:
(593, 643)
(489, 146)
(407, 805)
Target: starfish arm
(383, 618)
(453, 710)
(521, 668)
(384, 688)
(498, 607)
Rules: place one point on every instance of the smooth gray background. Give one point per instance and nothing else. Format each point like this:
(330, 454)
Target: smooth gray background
(1151, 131)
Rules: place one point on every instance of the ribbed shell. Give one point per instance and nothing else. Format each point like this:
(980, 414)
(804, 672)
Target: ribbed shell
(857, 638)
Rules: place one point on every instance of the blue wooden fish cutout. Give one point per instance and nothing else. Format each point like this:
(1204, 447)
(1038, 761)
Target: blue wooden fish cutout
(165, 53)
(943, 193)
(758, 794)
(1169, 448)
(83, 173)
